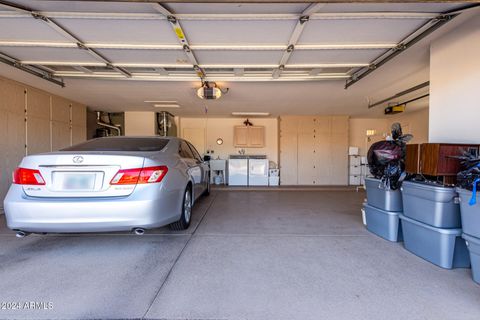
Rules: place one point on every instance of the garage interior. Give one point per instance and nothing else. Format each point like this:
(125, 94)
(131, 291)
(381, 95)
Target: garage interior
(312, 78)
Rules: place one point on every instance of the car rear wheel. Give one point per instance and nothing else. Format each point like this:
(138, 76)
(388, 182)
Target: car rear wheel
(186, 214)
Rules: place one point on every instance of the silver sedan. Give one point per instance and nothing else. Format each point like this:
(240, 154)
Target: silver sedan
(108, 184)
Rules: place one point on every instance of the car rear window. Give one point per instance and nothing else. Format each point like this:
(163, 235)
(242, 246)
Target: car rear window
(120, 144)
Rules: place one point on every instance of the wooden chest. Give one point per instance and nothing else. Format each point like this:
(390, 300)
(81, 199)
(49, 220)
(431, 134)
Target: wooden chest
(412, 159)
(436, 158)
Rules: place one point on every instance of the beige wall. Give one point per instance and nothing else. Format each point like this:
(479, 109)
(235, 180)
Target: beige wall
(454, 85)
(415, 123)
(34, 121)
(358, 132)
(139, 123)
(214, 128)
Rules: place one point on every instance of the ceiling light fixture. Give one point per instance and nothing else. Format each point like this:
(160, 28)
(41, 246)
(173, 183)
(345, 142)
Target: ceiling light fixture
(160, 101)
(251, 114)
(166, 106)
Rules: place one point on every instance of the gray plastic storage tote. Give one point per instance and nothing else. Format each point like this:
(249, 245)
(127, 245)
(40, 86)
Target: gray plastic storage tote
(432, 204)
(443, 247)
(377, 196)
(473, 245)
(470, 213)
(385, 224)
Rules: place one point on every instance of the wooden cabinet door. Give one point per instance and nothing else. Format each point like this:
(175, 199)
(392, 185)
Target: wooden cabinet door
(339, 158)
(256, 137)
(240, 136)
(307, 159)
(288, 150)
(288, 158)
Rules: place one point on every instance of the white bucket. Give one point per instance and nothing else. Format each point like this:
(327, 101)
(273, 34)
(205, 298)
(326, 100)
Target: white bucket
(364, 218)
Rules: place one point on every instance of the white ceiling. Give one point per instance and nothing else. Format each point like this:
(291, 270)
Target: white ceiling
(277, 97)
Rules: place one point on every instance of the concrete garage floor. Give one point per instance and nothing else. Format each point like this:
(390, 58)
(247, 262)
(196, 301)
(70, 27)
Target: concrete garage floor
(248, 255)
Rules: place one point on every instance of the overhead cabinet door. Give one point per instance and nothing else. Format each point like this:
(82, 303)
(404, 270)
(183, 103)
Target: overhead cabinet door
(256, 137)
(249, 137)
(241, 136)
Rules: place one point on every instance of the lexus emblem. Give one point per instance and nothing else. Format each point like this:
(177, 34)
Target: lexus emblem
(78, 159)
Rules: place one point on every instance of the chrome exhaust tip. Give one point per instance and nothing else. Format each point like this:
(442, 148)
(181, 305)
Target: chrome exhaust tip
(139, 231)
(21, 234)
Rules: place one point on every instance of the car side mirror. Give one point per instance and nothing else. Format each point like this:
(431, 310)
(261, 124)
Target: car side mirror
(207, 158)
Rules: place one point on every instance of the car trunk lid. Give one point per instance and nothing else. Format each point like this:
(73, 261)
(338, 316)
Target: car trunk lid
(80, 174)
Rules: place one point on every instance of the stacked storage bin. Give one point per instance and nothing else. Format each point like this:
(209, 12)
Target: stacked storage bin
(382, 210)
(431, 224)
(470, 211)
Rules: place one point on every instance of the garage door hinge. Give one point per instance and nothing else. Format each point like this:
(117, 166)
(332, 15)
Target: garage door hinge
(40, 16)
(304, 19)
(81, 46)
(444, 17)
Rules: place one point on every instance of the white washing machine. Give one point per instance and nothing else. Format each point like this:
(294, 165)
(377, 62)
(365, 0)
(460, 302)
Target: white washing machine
(238, 171)
(258, 171)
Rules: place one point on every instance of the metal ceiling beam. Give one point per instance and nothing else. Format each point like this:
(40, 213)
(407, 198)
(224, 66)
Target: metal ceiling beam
(189, 66)
(65, 33)
(413, 38)
(36, 71)
(285, 1)
(225, 16)
(82, 69)
(239, 72)
(296, 33)
(419, 34)
(206, 47)
(401, 94)
(182, 38)
(411, 100)
(315, 71)
(245, 78)
(162, 71)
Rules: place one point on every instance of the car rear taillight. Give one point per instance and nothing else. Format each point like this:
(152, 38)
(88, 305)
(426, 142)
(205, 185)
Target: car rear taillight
(27, 176)
(140, 175)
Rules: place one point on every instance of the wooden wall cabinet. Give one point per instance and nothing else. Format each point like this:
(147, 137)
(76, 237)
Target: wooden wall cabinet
(314, 150)
(34, 121)
(249, 137)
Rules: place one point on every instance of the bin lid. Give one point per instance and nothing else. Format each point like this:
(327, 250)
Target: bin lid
(457, 231)
(390, 213)
(428, 186)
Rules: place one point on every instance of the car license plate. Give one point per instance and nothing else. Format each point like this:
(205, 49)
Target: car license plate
(78, 181)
